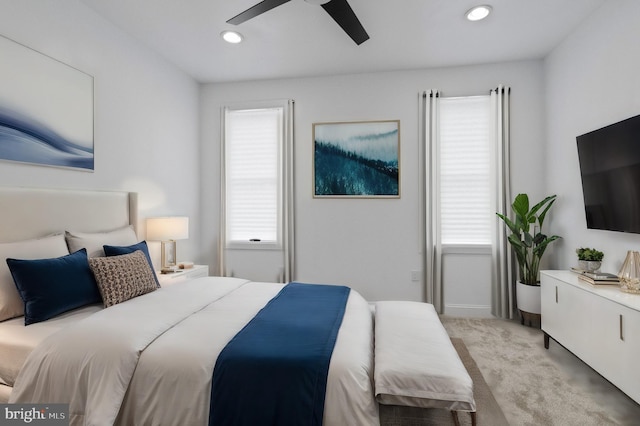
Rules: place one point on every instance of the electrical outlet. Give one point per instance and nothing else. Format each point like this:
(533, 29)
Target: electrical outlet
(415, 276)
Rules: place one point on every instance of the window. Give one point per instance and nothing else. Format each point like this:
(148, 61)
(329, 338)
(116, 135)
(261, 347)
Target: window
(465, 172)
(253, 141)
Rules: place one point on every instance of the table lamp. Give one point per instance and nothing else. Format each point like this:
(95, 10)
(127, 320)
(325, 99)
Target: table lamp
(167, 230)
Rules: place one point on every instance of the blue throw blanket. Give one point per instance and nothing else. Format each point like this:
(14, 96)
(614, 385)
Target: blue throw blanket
(274, 371)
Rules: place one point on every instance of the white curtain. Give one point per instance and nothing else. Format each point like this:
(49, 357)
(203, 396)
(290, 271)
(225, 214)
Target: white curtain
(503, 282)
(288, 197)
(429, 111)
(222, 241)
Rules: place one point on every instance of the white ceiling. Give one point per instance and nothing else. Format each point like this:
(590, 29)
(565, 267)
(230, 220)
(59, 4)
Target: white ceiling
(298, 39)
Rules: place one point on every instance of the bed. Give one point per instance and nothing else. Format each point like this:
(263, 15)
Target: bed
(149, 359)
(85, 322)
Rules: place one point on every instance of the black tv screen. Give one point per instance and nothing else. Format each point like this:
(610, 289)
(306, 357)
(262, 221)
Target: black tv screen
(610, 171)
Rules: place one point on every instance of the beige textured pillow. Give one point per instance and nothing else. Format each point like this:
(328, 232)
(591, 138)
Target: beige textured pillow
(123, 277)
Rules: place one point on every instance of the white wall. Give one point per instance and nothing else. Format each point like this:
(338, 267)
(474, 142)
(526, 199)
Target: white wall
(150, 118)
(591, 81)
(371, 244)
(146, 112)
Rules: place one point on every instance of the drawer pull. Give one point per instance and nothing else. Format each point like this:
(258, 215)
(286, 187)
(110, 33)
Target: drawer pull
(556, 294)
(621, 334)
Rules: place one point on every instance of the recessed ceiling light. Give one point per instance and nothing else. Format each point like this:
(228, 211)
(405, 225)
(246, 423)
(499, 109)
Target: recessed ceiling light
(317, 2)
(478, 13)
(231, 37)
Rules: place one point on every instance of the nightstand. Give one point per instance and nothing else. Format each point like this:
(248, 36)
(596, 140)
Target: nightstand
(182, 275)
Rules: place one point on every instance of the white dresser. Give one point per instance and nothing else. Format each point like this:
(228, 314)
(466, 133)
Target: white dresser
(600, 325)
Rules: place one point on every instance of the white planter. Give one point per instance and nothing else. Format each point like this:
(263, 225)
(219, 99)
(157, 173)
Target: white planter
(589, 265)
(528, 298)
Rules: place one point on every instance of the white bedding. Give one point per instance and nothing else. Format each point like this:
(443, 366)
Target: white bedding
(150, 360)
(17, 341)
(5, 391)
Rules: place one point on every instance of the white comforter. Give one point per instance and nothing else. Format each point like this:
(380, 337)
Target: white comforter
(150, 360)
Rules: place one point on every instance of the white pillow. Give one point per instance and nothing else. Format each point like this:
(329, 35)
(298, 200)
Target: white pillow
(11, 305)
(94, 241)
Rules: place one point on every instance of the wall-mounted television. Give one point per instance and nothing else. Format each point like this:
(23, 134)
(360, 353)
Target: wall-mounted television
(610, 171)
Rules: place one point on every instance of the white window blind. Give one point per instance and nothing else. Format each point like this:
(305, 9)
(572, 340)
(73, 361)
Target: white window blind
(253, 146)
(465, 182)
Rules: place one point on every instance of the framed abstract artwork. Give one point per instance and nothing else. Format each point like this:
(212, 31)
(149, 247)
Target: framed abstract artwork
(46, 110)
(356, 159)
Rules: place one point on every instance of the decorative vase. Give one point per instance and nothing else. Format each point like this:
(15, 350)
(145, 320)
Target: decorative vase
(629, 274)
(589, 265)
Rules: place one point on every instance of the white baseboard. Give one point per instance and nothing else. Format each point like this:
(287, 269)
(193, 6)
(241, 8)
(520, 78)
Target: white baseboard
(468, 311)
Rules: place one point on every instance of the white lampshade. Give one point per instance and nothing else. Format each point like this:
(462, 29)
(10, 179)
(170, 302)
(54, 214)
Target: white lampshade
(167, 228)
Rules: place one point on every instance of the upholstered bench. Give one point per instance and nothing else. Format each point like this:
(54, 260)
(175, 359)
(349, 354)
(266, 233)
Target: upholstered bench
(415, 362)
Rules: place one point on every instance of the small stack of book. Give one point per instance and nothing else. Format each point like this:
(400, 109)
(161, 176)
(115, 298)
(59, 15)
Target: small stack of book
(599, 278)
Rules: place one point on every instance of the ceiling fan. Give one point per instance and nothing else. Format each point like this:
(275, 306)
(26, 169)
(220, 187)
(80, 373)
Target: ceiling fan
(339, 10)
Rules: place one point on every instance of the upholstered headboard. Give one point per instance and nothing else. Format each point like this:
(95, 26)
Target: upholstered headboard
(35, 212)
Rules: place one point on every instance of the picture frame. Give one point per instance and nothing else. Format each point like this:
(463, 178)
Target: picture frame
(356, 159)
(46, 110)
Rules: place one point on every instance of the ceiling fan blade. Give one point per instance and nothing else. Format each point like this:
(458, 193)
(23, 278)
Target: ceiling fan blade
(258, 9)
(342, 13)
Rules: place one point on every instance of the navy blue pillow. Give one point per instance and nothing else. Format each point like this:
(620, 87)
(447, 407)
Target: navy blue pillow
(142, 246)
(50, 287)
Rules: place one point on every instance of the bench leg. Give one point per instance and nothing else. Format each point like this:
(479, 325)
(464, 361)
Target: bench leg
(456, 421)
(454, 414)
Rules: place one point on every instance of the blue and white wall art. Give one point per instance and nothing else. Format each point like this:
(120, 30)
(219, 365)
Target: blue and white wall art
(357, 159)
(46, 110)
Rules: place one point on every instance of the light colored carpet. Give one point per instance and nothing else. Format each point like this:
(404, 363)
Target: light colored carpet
(535, 386)
(488, 410)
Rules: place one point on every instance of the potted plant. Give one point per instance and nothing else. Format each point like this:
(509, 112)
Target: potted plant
(529, 244)
(589, 259)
